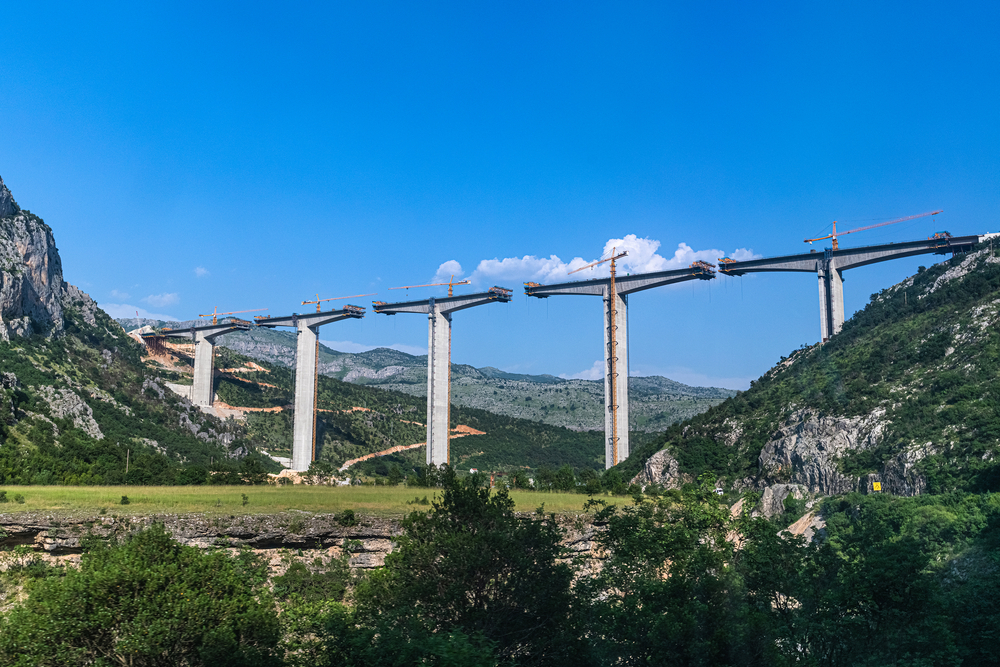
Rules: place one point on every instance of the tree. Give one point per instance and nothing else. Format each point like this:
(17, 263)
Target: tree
(472, 573)
(668, 594)
(147, 601)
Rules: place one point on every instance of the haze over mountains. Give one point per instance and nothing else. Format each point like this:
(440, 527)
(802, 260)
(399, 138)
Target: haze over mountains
(655, 402)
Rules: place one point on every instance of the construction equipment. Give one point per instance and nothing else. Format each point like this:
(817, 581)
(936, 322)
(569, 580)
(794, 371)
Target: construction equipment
(215, 313)
(704, 266)
(612, 347)
(335, 298)
(834, 234)
(451, 282)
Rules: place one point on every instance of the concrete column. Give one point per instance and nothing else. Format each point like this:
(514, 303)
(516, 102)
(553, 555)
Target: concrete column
(831, 300)
(824, 305)
(621, 386)
(304, 426)
(202, 389)
(836, 293)
(438, 385)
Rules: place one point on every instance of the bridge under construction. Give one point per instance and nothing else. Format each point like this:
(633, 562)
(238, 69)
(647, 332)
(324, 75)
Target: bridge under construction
(828, 265)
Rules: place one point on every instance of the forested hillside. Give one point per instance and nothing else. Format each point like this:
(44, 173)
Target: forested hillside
(354, 420)
(906, 395)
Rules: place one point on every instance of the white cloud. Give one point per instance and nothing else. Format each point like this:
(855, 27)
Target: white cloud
(117, 310)
(351, 346)
(595, 372)
(201, 271)
(447, 270)
(642, 258)
(161, 300)
(120, 295)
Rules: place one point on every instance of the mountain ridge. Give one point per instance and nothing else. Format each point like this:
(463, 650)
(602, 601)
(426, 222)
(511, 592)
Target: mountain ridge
(655, 402)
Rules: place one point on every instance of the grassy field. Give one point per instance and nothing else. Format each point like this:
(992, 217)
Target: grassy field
(383, 501)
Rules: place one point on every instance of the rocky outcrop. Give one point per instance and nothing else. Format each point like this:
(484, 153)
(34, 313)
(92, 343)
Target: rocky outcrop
(366, 543)
(807, 447)
(33, 294)
(8, 206)
(772, 500)
(65, 404)
(661, 469)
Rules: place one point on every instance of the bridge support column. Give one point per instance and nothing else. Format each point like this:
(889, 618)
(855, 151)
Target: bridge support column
(304, 424)
(831, 300)
(616, 444)
(202, 389)
(438, 386)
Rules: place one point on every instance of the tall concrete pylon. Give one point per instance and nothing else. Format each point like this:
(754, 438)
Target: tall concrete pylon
(438, 313)
(202, 389)
(829, 267)
(624, 285)
(306, 365)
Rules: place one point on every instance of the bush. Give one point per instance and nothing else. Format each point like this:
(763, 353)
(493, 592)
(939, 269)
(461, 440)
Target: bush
(147, 601)
(125, 500)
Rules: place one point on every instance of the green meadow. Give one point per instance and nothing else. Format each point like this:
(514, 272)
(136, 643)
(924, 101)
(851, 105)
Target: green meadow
(382, 501)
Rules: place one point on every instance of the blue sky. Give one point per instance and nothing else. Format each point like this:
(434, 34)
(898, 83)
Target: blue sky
(251, 155)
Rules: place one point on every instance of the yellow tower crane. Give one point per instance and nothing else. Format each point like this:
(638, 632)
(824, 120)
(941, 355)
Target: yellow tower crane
(834, 235)
(215, 313)
(612, 347)
(451, 282)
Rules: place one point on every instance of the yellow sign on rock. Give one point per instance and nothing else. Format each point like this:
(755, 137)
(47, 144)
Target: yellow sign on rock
(876, 486)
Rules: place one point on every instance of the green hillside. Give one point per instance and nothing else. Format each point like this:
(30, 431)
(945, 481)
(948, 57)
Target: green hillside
(81, 409)
(906, 394)
(391, 418)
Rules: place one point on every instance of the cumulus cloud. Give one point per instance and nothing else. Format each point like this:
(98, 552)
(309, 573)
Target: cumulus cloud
(117, 310)
(595, 372)
(643, 257)
(351, 346)
(447, 270)
(201, 271)
(161, 300)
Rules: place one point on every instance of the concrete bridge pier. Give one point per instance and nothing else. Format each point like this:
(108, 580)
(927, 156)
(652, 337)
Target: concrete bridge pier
(438, 385)
(202, 389)
(304, 417)
(307, 375)
(616, 435)
(616, 447)
(831, 300)
(438, 313)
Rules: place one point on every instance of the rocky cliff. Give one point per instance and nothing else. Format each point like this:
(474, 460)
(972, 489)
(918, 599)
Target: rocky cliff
(306, 535)
(34, 297)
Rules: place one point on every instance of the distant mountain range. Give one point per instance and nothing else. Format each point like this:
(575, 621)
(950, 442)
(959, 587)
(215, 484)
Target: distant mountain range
(655, 402)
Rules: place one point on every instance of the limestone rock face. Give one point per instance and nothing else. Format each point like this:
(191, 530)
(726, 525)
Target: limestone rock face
(33, 294)
(805, 450)
(661, 468)
(772, 501)
(64, 403)
(8, 206)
